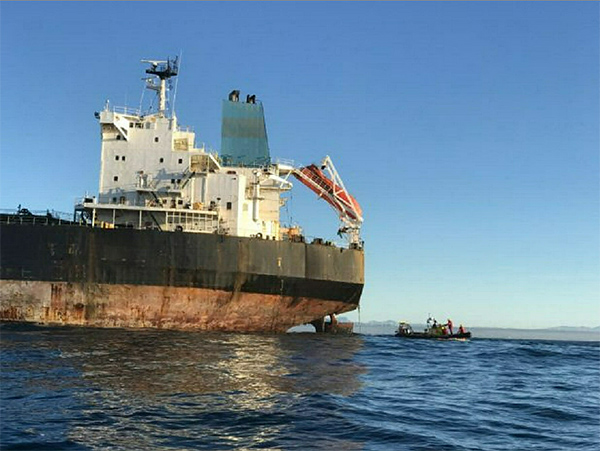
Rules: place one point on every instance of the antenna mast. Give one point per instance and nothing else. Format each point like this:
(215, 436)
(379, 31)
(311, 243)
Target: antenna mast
(178, 60)
(163, 70)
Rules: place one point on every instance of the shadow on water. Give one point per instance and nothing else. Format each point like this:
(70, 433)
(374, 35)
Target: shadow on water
(165, 362)
(146, 388)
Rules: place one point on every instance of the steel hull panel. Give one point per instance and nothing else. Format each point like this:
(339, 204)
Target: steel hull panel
(139, 278)
(139, 306)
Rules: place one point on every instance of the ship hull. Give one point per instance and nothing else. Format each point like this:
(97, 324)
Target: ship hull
(146, 278)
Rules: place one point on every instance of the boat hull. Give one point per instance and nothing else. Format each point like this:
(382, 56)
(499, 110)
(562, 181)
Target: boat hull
(147, 278)
(426, 336)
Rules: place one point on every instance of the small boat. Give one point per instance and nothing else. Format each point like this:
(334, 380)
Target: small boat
(405, 330)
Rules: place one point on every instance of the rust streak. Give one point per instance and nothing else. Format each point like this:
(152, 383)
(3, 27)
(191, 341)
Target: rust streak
(157, 306)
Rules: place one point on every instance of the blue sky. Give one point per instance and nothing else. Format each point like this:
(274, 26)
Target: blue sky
(467, 131)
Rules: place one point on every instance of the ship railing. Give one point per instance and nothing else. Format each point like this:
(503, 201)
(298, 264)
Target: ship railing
(206, 148)
(322, 241)
(79, 201)
(127, 110)
(146, 182)
(285, 162)
(26, 216)
(311, 239)
(185, 128)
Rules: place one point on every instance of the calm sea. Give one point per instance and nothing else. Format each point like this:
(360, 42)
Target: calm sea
(79, 389)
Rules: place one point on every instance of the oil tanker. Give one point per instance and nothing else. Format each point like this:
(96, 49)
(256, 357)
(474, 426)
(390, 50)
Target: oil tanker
(181, 237)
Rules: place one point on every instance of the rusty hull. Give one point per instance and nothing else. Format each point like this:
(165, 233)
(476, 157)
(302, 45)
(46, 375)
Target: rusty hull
(142, 278)
(156, 307)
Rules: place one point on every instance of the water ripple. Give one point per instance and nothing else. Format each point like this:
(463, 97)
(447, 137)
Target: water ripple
(88, 389)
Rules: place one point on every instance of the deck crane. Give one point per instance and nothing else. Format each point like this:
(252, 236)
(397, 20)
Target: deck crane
(331, 188)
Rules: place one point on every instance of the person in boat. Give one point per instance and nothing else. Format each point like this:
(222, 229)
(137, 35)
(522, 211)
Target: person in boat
(449, 324)
(461, 329)
(437, 328)
(433, 328)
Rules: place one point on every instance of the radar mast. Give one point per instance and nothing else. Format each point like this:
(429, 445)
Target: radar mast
(163, 70)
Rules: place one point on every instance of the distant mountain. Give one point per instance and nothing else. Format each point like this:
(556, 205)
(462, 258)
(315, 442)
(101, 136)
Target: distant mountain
(575, 328)
(381, 323)
(558, 328)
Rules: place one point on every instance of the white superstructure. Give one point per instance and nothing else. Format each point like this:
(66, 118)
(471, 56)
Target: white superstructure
(152, 175)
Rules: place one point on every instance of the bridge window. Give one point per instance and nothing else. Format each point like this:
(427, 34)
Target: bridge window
(117, 157)
(123, 158)
(116, 178)
(162, 160)
(156, 139)
(180, 160)
(228, 205)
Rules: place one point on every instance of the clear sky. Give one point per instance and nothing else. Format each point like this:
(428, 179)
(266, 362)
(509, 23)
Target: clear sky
(469, 132)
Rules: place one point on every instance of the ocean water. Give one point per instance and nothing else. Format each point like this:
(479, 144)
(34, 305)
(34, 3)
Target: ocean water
(73, 388)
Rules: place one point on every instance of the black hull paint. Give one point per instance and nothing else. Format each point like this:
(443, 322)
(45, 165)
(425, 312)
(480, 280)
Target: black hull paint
(76, 254)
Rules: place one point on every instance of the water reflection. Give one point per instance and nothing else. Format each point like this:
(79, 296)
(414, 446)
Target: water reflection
(159, 363)
(173, 390)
